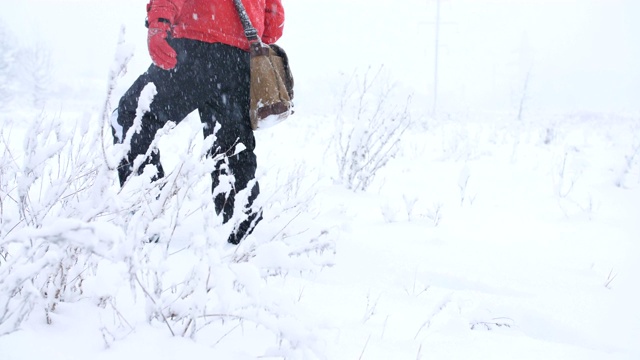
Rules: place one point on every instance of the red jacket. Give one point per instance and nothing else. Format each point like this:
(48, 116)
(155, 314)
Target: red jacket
(218, 20)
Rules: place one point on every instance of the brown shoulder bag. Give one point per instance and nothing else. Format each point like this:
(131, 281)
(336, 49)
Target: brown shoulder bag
(271, 78)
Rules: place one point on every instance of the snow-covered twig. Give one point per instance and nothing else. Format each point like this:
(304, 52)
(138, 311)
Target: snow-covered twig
(370, 128)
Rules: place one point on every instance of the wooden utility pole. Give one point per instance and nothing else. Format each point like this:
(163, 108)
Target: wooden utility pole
(436, 53)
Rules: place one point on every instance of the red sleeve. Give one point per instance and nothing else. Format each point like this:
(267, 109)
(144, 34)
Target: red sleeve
(164, 9)
(273, 21)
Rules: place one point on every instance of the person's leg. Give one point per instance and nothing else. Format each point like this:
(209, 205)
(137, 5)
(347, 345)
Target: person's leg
(228, 107)
(175, 98)
(242, 165)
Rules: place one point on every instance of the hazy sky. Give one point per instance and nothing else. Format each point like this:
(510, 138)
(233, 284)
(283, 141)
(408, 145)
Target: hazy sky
(578, 54)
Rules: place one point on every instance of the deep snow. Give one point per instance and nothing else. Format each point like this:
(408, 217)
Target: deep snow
(484, 237)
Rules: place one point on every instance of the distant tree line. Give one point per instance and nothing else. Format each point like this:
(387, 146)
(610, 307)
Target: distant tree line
(25, 72)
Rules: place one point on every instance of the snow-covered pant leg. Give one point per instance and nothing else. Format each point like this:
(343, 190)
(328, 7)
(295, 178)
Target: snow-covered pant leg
(231, 112)
(215, 79)
(241, 166)
(174, 100)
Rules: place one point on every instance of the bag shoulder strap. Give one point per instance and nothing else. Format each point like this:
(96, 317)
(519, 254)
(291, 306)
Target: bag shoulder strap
(249, 31)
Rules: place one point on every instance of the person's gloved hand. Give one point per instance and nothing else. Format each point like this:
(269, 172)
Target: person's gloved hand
(162, 54)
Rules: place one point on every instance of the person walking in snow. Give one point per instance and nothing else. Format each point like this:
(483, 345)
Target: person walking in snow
(201, 61)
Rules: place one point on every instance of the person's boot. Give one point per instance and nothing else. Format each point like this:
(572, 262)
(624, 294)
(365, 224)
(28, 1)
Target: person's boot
(245, 228)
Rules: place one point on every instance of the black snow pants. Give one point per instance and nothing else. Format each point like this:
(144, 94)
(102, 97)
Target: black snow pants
(214, 79)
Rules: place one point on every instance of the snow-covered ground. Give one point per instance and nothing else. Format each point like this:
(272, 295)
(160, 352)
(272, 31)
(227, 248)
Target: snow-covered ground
(487, 235)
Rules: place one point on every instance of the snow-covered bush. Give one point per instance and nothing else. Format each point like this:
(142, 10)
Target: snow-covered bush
(370, 124)
(631, 162)
(70, 234)
(51, 221)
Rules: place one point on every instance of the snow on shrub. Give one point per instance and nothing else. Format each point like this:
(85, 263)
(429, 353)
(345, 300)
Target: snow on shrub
(370, 125)
(69, 233)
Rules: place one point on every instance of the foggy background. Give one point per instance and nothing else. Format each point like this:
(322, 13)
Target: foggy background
(578, 55)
